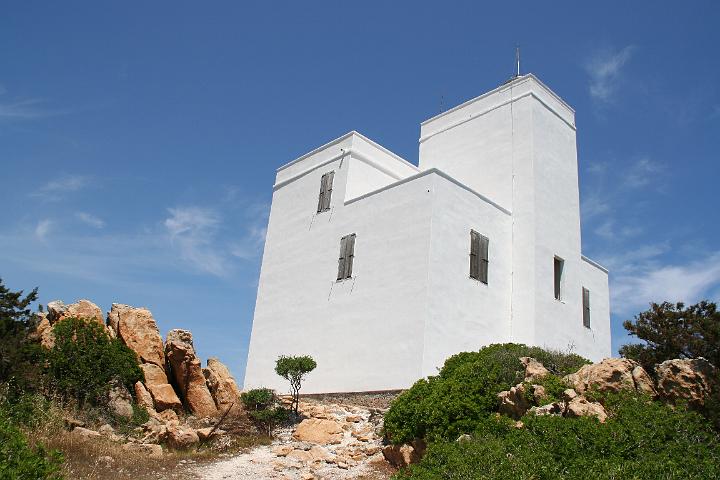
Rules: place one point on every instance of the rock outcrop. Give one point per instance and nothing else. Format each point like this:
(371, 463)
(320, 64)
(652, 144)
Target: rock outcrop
(162, 392)
(222, 385)
(692, 380)
(119, 401)
(57, 311)
(187, 373)
(84, 309)
(534, 370)
(612, 375)
(137, 329)
(406, 454)
(514, 402)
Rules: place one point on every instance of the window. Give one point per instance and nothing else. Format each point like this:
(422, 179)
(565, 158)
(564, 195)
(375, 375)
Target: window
(479, 256)
(586, 307)
(559, 263)
(325, 192)
(347, 253)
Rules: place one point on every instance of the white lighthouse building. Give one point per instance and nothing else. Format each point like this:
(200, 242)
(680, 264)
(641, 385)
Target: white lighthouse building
(381, 269)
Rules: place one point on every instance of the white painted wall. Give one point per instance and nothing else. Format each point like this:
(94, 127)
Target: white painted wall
(503, 164)
(465, 314)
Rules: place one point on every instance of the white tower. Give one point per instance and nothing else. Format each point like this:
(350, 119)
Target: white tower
(500, 169)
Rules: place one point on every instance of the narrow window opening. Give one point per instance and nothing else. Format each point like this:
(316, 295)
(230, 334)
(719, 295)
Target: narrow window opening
(479, 246)
(326, 184)
(586, 307)
(347, 254)
(559, 264)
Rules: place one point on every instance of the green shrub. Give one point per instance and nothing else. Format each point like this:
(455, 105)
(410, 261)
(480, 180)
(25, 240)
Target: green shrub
(641, 439)
(258, 398)
(18, 460)
(85, 361)
(465, 391)
(263, 407)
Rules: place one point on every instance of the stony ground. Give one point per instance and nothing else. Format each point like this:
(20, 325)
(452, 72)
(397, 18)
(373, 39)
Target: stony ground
(334, 441)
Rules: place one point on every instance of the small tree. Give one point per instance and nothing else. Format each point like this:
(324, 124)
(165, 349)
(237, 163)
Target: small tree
(294, 369)
(674, 331)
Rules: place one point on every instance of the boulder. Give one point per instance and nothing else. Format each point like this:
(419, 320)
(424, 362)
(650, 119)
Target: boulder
(555, 408)
(320, 431)
(137, 329)
(180, 436)
(282, 450)
(514, 402)
(187, 372)
(207, 432)
(222, 385)
(612, 375)
(43, 331)
(582, 407)
(150, 450)
(154, 374)
(320, 454)
(534, 370)
(83, 434)
(143, 397)
(692, 380)
(84, 309)
(119, 401)
(365, 433)
(403, 455)
(164, 397)
(167, 416)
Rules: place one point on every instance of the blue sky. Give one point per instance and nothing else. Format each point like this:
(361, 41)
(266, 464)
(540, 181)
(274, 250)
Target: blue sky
(139, 140)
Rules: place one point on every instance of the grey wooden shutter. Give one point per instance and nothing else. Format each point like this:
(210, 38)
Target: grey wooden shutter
(341, 260)
(328, 190)
(474, 250)
(321, 197)
(483, 257)
(558, 268)
(586, 307)
(349, 255)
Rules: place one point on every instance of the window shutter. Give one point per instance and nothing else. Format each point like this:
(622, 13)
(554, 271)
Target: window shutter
(321, 197)
(483, 255)
(586, 307)
(341, 261)
(328, 189)
(558, 268)
(474, 250)
(349, 255)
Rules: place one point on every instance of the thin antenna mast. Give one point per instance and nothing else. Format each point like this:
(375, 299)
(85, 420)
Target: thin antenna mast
(517, 59)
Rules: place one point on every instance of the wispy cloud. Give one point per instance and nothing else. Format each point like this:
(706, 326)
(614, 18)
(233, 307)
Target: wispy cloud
(642, 173)
(604, 70)
(90, 219)
(43, 228)
(56, 188)
(193, 230)
(31, 109)
(250, 246)
(593, 205)
(610, 231)
(650, 281)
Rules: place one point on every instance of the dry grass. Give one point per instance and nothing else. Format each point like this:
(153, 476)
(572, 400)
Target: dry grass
(101, 458)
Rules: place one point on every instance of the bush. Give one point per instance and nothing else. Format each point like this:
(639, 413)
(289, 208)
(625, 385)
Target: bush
(85, 361)
(18, 460)
(263, 407)
(641, 439)
(465, 391)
